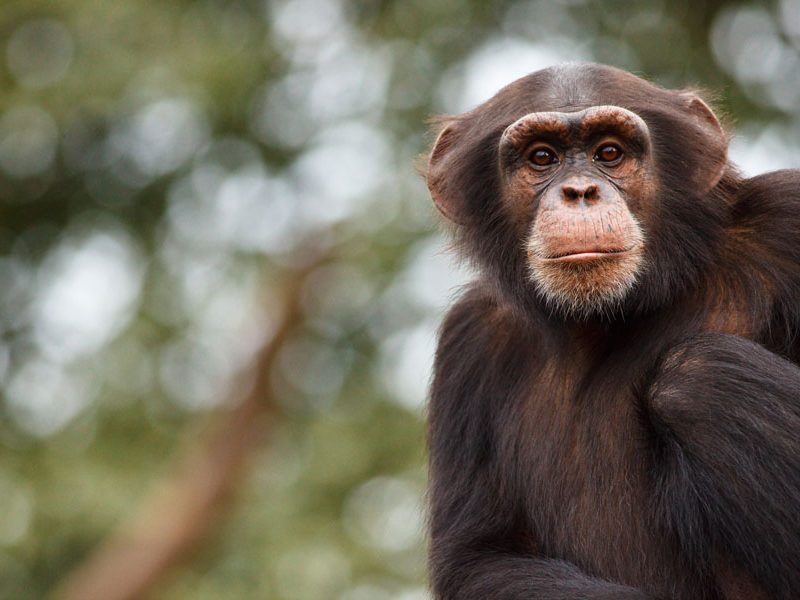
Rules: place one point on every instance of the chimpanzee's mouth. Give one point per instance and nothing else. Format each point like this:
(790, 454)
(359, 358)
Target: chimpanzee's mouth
(588, 255)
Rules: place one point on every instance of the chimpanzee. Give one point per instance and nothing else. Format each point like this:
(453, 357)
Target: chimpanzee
(615, 407)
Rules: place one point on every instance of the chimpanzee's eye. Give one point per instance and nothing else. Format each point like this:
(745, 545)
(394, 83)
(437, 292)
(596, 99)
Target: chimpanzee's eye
(608, 153)
(542, 156)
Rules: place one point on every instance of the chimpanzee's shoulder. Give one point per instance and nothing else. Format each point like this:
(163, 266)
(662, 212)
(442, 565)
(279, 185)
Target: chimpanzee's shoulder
(766, 221)
(480, 325)
(484, 351)
(770, 198)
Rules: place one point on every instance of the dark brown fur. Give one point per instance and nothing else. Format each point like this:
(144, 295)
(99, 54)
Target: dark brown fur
(651, 453)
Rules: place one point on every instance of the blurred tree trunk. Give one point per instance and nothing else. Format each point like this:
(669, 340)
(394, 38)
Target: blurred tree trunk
(186, 507)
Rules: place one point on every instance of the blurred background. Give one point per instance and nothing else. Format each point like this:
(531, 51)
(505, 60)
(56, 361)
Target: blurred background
(220, 275)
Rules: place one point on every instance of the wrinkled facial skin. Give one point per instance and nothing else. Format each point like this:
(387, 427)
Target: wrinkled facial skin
(578, 185)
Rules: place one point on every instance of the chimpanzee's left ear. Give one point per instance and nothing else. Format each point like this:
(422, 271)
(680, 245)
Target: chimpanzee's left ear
(442, 164)
(714, 141)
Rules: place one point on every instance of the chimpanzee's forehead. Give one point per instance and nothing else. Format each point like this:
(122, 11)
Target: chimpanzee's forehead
(571, 87)
(575, 87)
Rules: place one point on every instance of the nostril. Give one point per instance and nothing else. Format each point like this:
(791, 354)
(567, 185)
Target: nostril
(591, 192)
(571, 193)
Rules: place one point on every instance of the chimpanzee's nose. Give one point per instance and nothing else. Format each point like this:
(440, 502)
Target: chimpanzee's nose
(572, 192)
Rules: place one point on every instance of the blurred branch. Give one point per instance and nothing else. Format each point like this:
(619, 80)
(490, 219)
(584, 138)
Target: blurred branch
(184, 508)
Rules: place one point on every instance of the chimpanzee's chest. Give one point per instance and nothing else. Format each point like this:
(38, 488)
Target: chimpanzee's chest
(590, 480)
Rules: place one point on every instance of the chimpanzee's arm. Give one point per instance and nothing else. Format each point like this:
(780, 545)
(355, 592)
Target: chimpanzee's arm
(480, 544)
(729, 414)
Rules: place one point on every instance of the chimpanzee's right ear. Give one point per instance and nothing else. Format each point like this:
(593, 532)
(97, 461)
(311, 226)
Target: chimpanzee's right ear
(441, 172)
